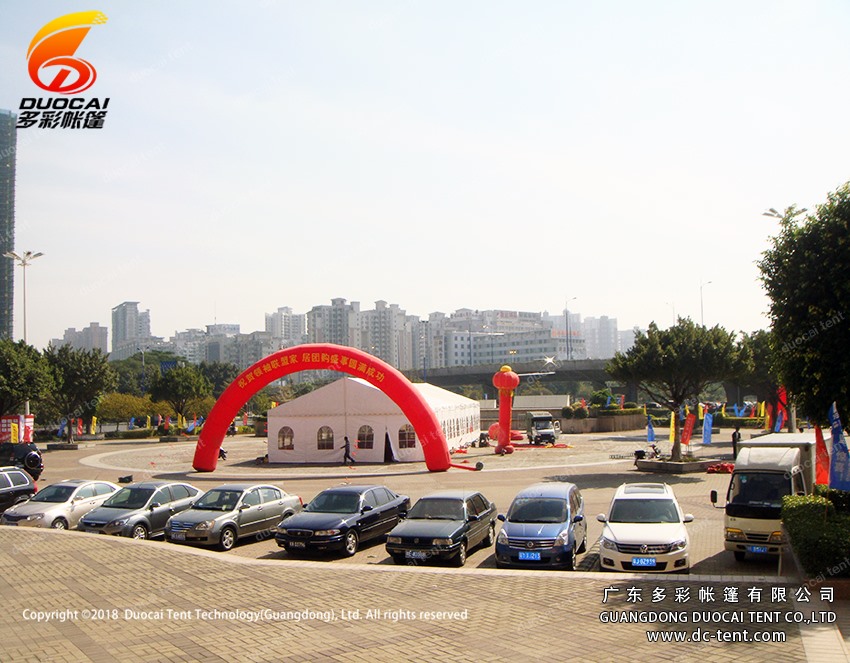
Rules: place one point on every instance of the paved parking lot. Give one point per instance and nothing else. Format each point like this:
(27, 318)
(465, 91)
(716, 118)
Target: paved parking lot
(101, 598)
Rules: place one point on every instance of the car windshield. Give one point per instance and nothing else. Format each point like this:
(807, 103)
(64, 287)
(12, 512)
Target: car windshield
(542, 424)
(537, 510)
(333, 502)
(759, 489)
(437, 509)
(644, 511)
(219, 500)
(54, 493)
(129, 498)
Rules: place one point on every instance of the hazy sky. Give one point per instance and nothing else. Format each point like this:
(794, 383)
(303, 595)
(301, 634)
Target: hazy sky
(434, 154)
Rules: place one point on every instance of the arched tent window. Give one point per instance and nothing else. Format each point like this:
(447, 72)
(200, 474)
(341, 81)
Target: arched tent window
(325, 438)
(365, 438)
(406, 437)
(285, 438)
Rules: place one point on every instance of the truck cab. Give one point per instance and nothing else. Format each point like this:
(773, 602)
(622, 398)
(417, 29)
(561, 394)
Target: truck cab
(766, 470)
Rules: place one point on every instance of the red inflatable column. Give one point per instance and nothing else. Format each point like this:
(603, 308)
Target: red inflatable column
(505, 381)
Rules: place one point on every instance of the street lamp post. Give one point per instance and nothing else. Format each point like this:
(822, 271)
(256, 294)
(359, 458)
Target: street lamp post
(701, 316)
(569, 344)
(24, 261)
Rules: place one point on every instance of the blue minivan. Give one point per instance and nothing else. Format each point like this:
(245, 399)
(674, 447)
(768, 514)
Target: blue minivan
(545, 527)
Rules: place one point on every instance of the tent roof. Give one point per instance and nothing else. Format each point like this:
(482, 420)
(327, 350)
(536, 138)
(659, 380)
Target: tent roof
(357, 396)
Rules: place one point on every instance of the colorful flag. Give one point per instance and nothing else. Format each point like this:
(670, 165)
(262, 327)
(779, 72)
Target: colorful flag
(688, 430)
(622, 401)
(700, 411)
(79, 426)
(780, 421)
(132, 423)
(723, 410)
(839, 469)
(821, 458)
(706, 428)
(14, 435)
(608, 402)
(168, 422)
(93, 427)
(672, 427)
(650, 430)
(148, 422)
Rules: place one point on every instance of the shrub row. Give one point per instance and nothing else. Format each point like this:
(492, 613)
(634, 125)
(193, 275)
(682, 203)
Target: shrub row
(743, 422)
(135, 434)
(820, 536)
(839, 498)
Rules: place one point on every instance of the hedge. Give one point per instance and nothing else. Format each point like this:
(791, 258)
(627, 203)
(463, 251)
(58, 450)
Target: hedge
(818, 534)
(743, 422)
(135, 434)
(839, 498)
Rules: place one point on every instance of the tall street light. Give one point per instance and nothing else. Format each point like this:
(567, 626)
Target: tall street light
(701, 316)
(24, 261)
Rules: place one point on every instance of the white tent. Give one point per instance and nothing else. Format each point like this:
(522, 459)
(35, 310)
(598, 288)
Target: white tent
(312, 428)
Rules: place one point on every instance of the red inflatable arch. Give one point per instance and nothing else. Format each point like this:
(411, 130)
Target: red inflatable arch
(324, 356)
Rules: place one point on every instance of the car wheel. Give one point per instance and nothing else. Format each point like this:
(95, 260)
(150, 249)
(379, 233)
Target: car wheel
(583, 547)
(227, 539)
(351, 543)
(59, 523)
(32, 461)
(739, 555)
(490, 539)
(460, 558)
(139, 532)
(398, 558)
(571, 560)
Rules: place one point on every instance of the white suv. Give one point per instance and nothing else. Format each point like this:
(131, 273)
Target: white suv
(644, 531)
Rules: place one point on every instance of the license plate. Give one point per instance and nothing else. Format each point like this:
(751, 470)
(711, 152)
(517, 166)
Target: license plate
(757, 549)
(643, 561)
(531, 556)
(416, 554)
(178, 536)
(296, 544)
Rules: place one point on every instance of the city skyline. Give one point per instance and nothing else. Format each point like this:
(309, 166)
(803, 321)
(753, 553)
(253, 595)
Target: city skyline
(614, 158)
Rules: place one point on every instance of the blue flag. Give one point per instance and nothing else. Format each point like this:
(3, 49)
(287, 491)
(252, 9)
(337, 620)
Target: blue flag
(706, 428)
(132, 423)
(779, 421)
(839, 469)
(650, 431)
(608, 402)
(735, 410)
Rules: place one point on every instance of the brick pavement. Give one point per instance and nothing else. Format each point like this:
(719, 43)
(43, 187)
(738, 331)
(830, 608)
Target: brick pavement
(510, 614)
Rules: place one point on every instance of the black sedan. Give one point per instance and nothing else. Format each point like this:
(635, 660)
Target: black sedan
(444, 525)
(340, 518)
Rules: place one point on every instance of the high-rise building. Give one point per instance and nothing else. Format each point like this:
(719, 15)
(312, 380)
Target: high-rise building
(601, 337)
(93, 337)
(338, 323)
(286, 326)
(131, 331)
(8, 147)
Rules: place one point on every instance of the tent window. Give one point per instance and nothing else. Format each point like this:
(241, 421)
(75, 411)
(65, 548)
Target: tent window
(365, 438)
(326, 438)
(284, 438)
(406, 437)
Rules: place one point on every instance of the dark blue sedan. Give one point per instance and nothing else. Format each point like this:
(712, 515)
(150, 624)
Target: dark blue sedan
(338, 519)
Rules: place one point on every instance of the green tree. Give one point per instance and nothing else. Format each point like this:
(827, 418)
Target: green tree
(24, 375)
(80, 378)
(220, 374)
(137, 373)
(755, 372)
(117, 407)
(677, 364)
(806, 274)
(178, 386)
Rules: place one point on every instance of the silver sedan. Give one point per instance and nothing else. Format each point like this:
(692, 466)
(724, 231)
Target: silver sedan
(60, 505)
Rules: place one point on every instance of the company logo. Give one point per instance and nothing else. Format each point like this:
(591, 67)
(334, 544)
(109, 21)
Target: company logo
(51, 59)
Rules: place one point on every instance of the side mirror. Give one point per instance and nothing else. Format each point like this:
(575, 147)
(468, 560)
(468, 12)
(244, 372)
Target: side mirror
(365, 509)
(602, 518)
(155, 505)
(578, 519)
(473, 518)
(713, 496)
(689, 517)
(501, 517)
(402, 514)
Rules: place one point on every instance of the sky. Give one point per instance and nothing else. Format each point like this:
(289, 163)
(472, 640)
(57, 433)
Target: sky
(434, 154)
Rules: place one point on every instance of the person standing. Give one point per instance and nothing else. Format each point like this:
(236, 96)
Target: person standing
(736, 437)
(347, 446)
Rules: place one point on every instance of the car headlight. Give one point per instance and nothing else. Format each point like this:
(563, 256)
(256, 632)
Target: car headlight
(206, 524)
(776, 537)
(502, 537)
(681, 544)
(35, 516)
(608, 544)
(118, 523)
(393, 539)
(734, 534)
(442, 542)
(326, 532)
(281, 530)
(563, 538)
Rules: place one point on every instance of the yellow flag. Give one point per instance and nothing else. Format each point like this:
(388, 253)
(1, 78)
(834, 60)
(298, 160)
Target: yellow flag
(148, 422)
(13, 434)
(672, 427)
(723, 409)
(93, 428)
(701, 411)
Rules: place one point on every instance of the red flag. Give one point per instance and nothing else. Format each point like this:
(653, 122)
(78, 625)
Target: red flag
(822, 458)
(79, 426)
(688, 428)
(168, 422)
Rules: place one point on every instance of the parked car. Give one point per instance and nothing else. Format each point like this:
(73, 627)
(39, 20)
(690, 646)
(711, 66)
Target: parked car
(230, 512)
(16, 486)
(645, 530)
(444, 525)
(140, 510)
(545, 527)
(24, 455)
(340, 518)
(60, 505)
